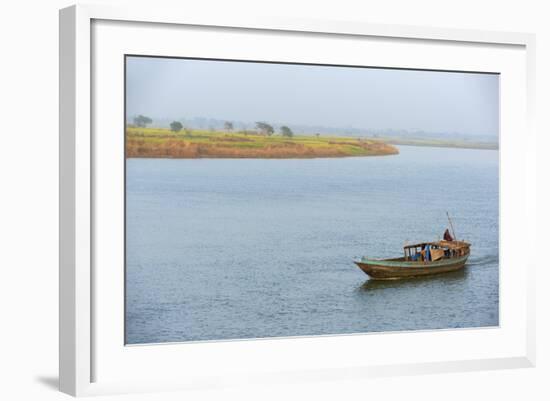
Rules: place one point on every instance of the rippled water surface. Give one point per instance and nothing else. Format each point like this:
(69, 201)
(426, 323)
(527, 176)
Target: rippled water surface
(231, 249)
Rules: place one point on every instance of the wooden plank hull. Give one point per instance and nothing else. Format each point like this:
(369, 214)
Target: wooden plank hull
(391, 269)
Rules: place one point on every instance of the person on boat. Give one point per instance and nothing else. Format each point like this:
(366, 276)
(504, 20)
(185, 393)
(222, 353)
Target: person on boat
(425, 255)
(447, 236)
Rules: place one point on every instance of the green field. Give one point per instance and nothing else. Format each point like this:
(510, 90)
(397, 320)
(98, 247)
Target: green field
(161, 142)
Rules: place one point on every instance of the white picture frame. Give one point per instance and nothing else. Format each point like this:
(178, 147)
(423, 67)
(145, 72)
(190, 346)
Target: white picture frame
(88, 335)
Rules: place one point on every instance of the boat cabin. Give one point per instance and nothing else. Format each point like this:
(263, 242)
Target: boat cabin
(433, 251)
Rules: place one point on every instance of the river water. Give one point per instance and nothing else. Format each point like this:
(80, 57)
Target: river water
(249, 248)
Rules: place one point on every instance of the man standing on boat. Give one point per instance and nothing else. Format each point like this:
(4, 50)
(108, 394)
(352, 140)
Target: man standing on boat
(447, 236)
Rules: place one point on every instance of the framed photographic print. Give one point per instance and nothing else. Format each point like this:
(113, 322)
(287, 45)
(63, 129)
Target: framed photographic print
(280, 200)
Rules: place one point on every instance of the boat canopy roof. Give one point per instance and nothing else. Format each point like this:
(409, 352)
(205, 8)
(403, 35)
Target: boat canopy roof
(441, 244)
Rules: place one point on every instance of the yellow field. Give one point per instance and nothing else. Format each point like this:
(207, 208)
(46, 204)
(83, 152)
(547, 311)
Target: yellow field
(191, 144)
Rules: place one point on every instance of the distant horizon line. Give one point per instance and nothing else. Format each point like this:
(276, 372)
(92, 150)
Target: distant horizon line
(250, 125)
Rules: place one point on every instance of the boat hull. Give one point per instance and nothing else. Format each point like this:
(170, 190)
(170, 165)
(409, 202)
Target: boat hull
(391, 269)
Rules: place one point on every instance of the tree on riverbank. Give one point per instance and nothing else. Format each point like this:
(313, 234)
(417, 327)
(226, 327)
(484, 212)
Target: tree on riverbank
(142, 121)
(285, 131)
(176, 126)
(228, 125)
(265, 128)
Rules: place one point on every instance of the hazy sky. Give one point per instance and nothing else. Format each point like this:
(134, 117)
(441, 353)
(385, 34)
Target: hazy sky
(313, 95)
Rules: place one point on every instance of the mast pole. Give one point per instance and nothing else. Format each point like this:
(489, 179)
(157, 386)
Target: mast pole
(452, 228)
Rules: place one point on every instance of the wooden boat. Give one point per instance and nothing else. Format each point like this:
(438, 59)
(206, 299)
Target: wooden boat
(421, 259)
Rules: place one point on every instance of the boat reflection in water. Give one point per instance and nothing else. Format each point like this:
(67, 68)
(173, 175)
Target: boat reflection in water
(448, 278)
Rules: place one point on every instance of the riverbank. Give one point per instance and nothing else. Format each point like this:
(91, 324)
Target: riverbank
(194, 144)
(441, 143)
